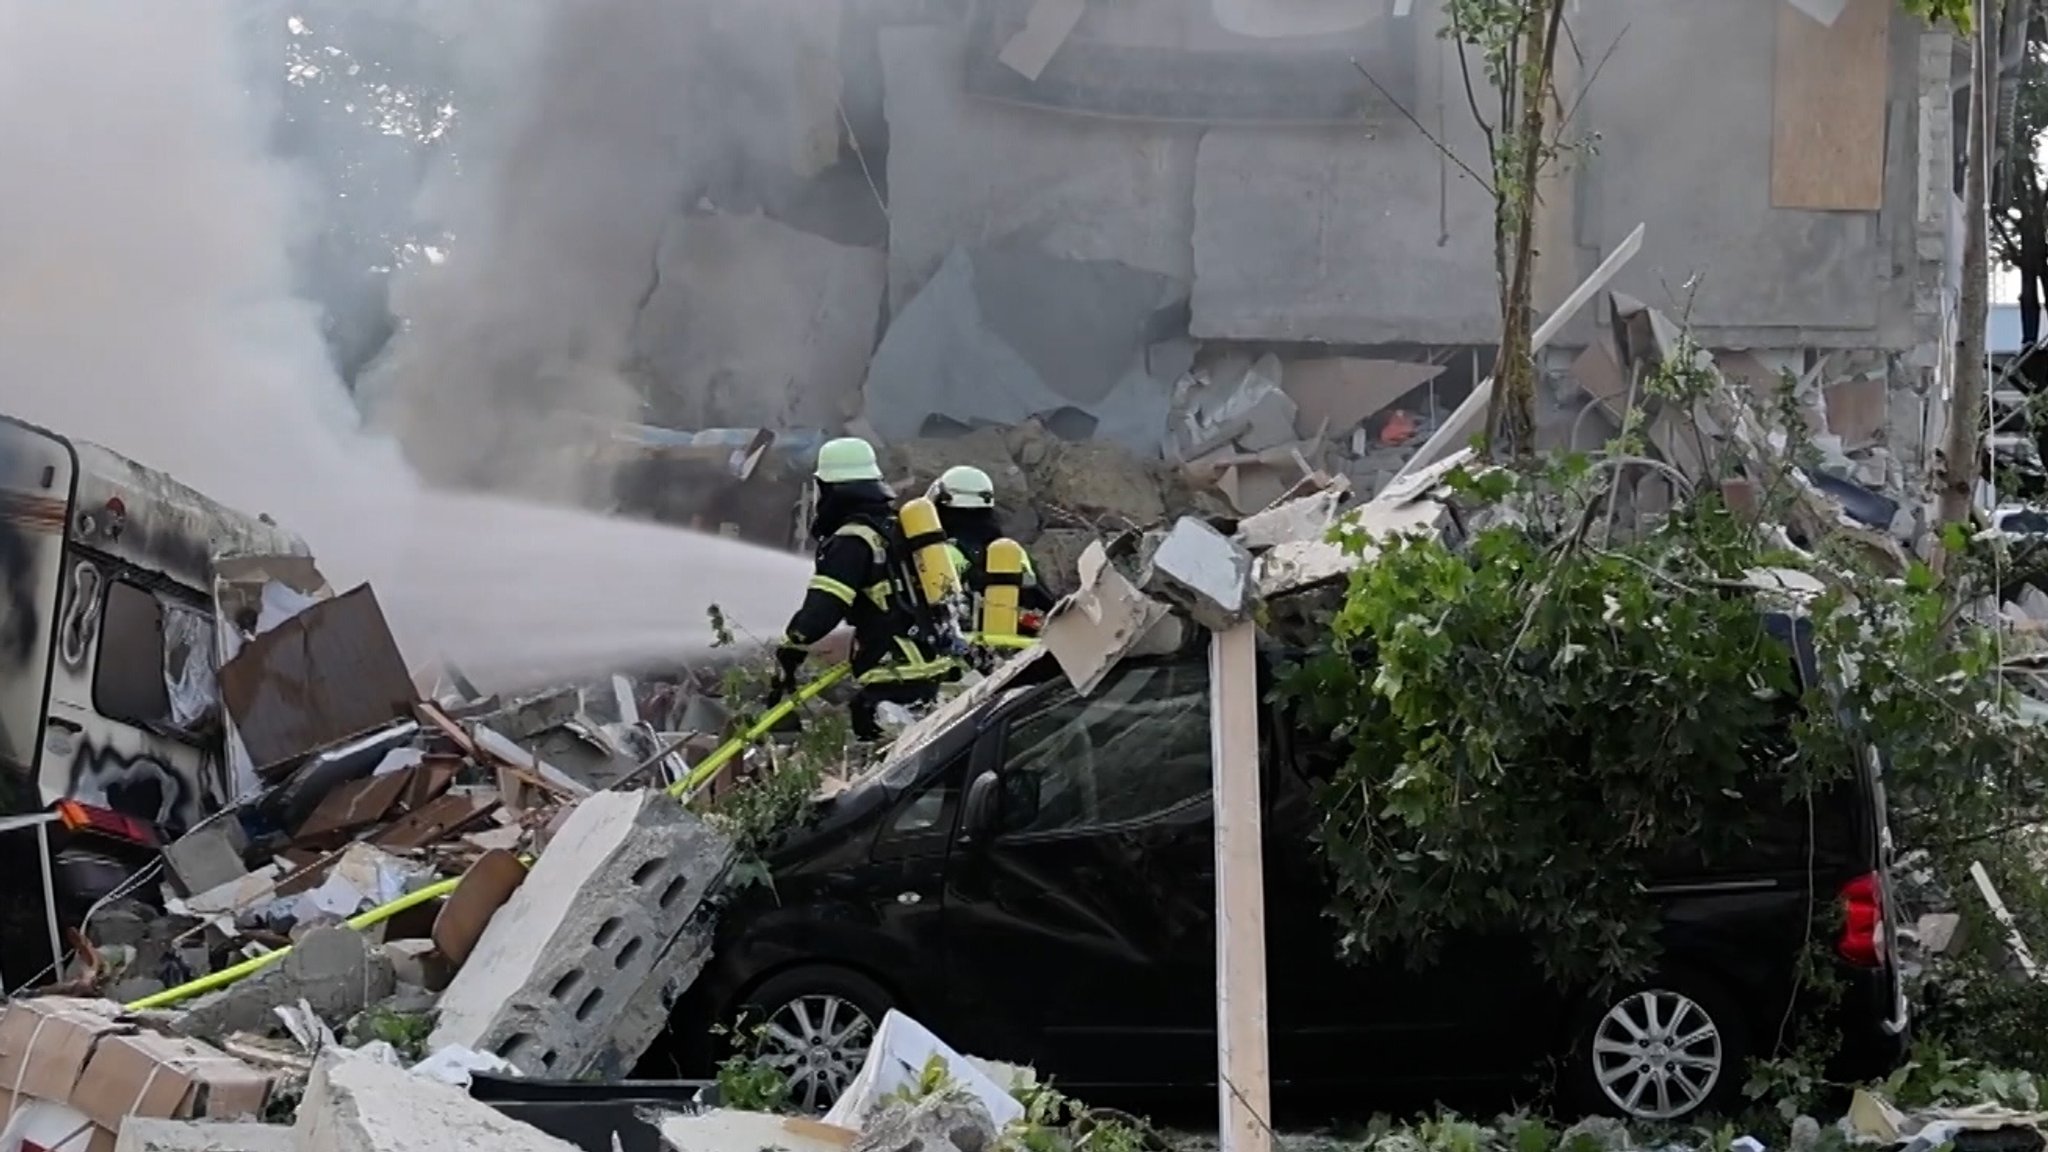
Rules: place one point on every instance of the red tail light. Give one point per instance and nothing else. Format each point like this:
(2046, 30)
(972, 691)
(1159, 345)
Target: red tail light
(1862, 942)
(86, 818)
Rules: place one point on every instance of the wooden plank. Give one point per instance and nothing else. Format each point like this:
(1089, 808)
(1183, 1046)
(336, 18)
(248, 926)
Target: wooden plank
(1828, 108)
(1243, 1080)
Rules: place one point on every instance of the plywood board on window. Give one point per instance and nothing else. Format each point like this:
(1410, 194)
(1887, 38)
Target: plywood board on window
(1828, 108)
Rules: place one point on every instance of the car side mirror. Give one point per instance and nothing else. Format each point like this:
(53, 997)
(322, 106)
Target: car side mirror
(978, 818)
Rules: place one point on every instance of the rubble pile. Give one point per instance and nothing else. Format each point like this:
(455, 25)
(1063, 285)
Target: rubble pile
(488, 883)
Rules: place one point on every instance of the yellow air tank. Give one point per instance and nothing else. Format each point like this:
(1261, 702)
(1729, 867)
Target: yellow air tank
(999, 601)
(926, 540)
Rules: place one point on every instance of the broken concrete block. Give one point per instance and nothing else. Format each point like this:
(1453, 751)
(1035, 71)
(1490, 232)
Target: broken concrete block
(1298, 565)
(558, 983)
(356, 1104)
(1295, 239)
(207, 856)
(970, 172)
(753, 323)
(1937, 930)
(999, 336)
(333, 969)
(1204, 572)
(1251, 412)
(417, 963)
(1306, 518)
(140, 1134)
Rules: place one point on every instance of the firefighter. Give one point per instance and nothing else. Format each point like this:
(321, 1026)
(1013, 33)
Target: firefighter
(858, 579)
(966, 499)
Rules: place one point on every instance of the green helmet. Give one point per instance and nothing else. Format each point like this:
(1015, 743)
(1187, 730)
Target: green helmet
(962, 486)
(846, 460)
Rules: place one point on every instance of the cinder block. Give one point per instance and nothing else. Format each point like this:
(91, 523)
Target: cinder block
(354, 1104)
(553, 983)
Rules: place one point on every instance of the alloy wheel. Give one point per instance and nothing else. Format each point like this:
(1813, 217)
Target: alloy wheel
(1657, 1055)
(819, 1041)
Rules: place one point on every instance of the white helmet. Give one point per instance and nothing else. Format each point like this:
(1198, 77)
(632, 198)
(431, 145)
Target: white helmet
(962, 486)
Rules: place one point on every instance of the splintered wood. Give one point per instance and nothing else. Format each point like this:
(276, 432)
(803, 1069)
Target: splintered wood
(1828, 108)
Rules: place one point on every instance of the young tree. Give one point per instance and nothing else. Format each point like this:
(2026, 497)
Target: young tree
(1963, 449)
(1517, 41)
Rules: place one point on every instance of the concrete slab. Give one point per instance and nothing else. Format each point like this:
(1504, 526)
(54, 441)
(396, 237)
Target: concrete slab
(333, 969)
(558, 983)
(1336, 235)
(753, 323)
(144, 1135)
(1001, 335)
(964, 172)
(354, 1104)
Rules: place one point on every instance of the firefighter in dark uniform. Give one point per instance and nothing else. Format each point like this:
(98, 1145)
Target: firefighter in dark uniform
(857, 580)
(966, 500)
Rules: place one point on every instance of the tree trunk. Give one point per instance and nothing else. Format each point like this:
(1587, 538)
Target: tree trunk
(1511, 423)
(1960, 453)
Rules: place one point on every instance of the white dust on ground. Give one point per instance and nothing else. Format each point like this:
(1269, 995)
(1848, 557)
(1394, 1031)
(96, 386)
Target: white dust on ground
(147, 303)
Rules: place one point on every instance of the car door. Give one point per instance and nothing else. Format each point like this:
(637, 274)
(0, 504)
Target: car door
(1079, 927)
(1343, 1019)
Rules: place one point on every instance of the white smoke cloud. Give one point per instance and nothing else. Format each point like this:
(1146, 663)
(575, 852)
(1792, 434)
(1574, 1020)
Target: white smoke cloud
(148, 302)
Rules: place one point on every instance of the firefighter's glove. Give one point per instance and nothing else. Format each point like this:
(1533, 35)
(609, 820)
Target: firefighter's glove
(787, 661)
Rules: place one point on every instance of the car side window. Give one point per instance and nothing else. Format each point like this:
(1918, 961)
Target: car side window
(920, 822)
(1136, 748)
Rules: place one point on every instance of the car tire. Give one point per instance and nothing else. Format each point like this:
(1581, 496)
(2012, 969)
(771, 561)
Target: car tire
(816, 1023)
(1662, 1049)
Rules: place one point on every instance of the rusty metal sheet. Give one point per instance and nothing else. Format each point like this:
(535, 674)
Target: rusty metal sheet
(325, 676)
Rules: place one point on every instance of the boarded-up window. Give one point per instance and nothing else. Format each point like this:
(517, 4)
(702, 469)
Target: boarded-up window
(128, 676)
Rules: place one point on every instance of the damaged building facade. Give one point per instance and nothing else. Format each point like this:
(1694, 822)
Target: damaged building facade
(1239, 240)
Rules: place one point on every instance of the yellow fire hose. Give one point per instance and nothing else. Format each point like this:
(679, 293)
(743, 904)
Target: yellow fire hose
(710, 765)
(703, 771)
(226, 976)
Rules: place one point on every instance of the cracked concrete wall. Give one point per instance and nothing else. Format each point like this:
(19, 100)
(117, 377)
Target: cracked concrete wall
(1370, 235)
(1684, 113)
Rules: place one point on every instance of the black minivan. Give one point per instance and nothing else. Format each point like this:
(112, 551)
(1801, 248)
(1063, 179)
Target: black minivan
(1036, 885)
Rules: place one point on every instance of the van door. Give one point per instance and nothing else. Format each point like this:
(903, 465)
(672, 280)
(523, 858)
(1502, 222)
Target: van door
(1094, 894)
(36, 474)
